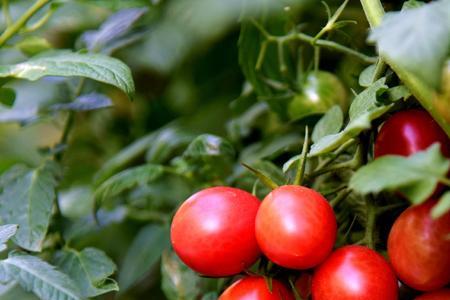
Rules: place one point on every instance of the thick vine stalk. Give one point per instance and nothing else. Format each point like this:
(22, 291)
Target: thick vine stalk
(427, 97)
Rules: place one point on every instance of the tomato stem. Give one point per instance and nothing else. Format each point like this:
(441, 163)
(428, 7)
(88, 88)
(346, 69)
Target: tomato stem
(370, 224)
(6, 12)
(341, 196)
(427, 97)
(300, 174)
(294, 290)
(16, 26)
(261, 176)
(302, 37)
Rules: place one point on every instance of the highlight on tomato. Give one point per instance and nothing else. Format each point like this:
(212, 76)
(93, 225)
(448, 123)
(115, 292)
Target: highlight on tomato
(213, 232)
(295, 227)
(419, 248)
(320, 91)
(354, 272)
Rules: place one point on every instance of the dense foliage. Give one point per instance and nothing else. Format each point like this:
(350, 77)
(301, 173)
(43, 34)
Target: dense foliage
(112, 113)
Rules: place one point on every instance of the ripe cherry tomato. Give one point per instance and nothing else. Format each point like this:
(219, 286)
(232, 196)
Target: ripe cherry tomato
(320, 91)
(256, 288)
(419, 248)
(295, 227)
(443, 294)
(213, 232)
(354, 272)
(408, 132)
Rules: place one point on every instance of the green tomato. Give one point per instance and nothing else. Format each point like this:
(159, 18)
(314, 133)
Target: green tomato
(320, 92)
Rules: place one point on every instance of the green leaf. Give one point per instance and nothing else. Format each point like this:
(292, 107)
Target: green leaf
(115, 27)
(210, 296)
(35, 275)
(180, 282)
(399, 92)
(26, 199)
(364, 109)
(33, 45)
(13, 291)
(167, 141)
(126, 180)
(207, 158)
(7, 96)
(124, 157)
(271, 147)
(144, 252)
(86, 102)
(63, 63)
(209, 145)
(272, 17)
(442, 207)
(415, 176)
(417, 40)
(89, 269)
(330, 123)
(412, 4)
(171, 136)
(366, 76)
(6, 232)
(92, 101)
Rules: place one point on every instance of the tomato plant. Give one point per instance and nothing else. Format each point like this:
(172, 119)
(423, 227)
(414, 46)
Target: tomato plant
(256, 288)
(354, 272)
(138, 137)
(213, 231)
(295, 227)
(418, 248)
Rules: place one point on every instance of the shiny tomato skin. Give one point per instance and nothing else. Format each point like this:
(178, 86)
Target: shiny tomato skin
(354, 272)
(410, 131)
(213, 231)
(295, 227)
(443, 294)
(320, 91)
(419, 248)
(256, 288)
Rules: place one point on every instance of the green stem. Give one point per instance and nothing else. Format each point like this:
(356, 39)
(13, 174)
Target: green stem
(41, 22)
(334, 46)
(16, 26)
(370, 226)
(380, 67)
(445, 181)
(339, 197)
(298, 36)
(300, 174)
(6, 13)
(336, 154)
(374, 11)
(424, 94)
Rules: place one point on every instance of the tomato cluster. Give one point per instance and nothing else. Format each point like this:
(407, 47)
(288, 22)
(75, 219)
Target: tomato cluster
(222, 231)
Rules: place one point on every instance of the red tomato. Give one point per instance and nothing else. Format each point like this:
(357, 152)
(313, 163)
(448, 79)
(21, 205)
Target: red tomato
(354, 272)
(419, 248)
(408, 132)
(303, 285)
(213, 232)
(295, 227)
(256, 288)
(443, 294)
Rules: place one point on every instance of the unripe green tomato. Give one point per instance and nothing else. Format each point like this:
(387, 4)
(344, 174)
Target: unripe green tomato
(320, 91)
